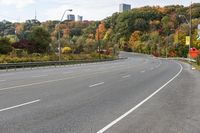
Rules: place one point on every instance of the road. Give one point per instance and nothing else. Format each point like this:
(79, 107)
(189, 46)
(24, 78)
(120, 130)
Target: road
(140, 94)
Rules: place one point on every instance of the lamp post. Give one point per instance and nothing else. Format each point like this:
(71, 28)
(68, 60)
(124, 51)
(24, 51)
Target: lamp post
(59, 45)
(189, 22)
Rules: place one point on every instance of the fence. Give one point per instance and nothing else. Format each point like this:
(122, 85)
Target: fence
(31, 65)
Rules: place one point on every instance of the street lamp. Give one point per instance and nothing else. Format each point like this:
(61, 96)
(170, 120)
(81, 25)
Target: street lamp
(189, 22)
(59, 45)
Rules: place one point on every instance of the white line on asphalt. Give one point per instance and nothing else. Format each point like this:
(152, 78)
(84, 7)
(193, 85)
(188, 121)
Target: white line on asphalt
(127, 76)
(38, 76)
(2, 80)
(37, 83)
(140, 104)
(67, 72)
(61, 79)
(152, 68)
(20, 105)
(96, 84)
(143, 71)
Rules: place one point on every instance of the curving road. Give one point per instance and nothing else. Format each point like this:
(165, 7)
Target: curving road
(138, 95)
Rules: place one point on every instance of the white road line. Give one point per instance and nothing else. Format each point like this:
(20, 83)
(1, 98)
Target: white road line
(67, 72)
(2, 80)
(152, 68)
(96, 84)
(37, 83)
(126, 76)
(61, 79)
(20, 105)
(140, 104)
(143, 71)
(38, 76)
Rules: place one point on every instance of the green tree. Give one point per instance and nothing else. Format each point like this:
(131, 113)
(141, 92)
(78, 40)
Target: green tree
(41, 39)
(5, 45)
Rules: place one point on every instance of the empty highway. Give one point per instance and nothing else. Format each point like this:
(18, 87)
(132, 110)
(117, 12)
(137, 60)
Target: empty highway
(140, 94)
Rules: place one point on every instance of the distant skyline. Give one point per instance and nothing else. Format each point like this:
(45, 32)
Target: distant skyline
(21, 10)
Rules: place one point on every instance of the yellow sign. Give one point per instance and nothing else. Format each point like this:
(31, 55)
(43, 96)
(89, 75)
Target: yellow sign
(187, 40)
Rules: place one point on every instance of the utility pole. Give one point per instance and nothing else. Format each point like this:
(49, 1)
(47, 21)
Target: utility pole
(190, 26)
(59, 45)
(98, 39)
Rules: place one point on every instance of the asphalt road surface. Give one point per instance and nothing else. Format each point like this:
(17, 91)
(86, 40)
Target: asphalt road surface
(140, 94)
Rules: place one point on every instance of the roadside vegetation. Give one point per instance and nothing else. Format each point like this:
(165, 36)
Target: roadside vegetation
(150, 30)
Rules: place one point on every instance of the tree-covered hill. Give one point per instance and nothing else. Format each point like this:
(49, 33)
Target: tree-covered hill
(152, 30)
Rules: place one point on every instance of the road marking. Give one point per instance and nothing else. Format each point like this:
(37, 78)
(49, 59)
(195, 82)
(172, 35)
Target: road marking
(143, 71)
(6, 74)
(96, 84)
(2, 80)
(38, 76)
(140, 104)
(152, 68)
(127, 76)
(20, 105)
(37, 83)
(62, 79)
(67, 72)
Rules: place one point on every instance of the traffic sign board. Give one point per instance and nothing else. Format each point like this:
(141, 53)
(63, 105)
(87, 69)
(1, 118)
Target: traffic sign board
(198, 37)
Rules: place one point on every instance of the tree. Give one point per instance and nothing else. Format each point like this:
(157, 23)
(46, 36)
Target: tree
(41, 39)
(5, 45)
(133, 39)
(141, 24)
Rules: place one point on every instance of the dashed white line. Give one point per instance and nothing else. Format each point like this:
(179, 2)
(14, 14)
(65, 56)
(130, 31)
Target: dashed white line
(126, 76)
(143, 71)
(38, 76)
(20, 105)
(67, 72)
(140, 104)
(96, 84)
(152, 68)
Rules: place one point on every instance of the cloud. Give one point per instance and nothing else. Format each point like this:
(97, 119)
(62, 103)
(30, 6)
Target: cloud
(17, 3)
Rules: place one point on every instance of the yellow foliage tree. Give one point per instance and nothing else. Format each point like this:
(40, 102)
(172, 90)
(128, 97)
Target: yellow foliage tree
(100, 31)
(134, 39)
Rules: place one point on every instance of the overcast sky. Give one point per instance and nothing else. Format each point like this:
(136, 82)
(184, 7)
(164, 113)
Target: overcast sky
(20, 10)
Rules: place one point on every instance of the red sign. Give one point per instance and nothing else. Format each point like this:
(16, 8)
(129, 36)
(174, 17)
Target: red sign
(193, 52)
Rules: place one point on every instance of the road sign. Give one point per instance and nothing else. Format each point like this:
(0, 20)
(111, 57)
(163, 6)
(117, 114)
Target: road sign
(187, 40)
(198, 36)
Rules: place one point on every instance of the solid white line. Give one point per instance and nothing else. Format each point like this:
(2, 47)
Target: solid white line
(127, 76)
(140, 104)
(2, 80)
(20, 105)
(38, 76)
(96, 84)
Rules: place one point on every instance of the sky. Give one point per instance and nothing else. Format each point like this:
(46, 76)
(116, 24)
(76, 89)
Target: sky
(21, 10)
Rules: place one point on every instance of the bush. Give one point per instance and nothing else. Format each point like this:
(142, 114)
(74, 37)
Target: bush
(5, 45)
(198, 59)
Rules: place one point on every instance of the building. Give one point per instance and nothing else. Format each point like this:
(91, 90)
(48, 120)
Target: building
(71, 17)
(80, 18)
(124, 7)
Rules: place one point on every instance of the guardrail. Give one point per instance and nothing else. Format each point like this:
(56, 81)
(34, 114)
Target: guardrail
(31, 65)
